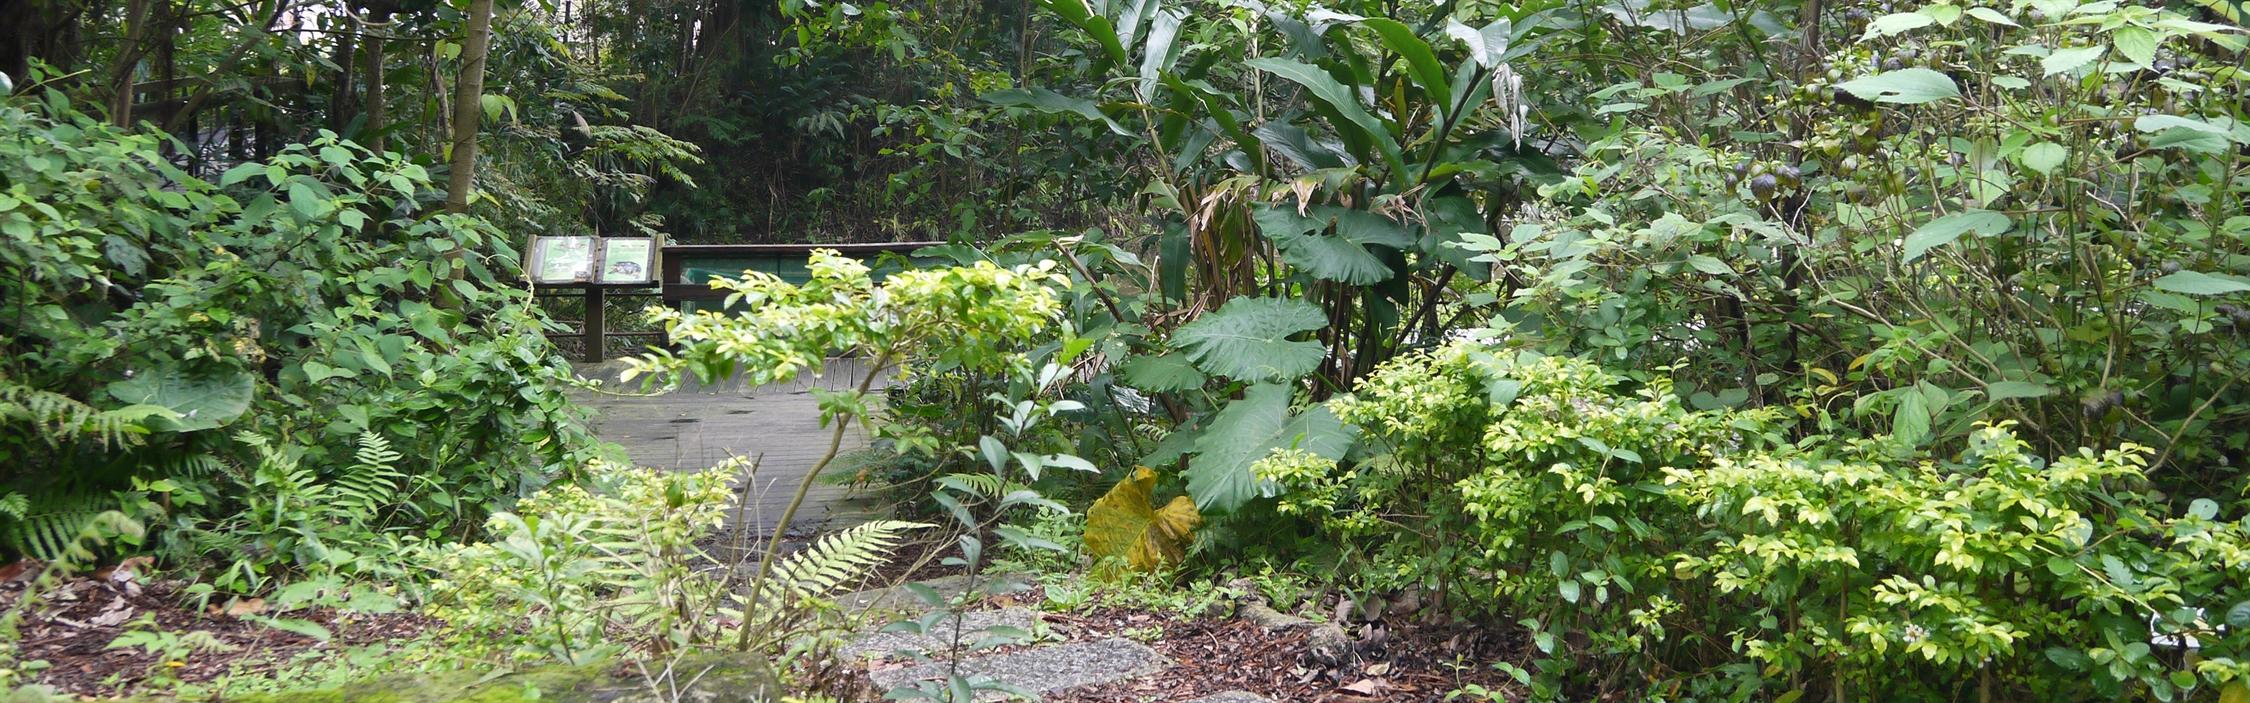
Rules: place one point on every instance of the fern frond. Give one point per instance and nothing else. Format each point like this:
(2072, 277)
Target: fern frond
(978, 485)
(198, 465)
(832, 562)
(49, 527)
(57, 418)
(373, 481)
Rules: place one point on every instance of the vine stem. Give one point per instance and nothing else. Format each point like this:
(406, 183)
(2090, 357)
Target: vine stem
(781, 528)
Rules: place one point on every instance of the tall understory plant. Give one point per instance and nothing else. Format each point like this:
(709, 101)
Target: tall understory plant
(976, 317)
(1309, 175)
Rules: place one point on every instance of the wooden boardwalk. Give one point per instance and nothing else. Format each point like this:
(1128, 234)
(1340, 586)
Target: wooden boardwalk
(698, 426)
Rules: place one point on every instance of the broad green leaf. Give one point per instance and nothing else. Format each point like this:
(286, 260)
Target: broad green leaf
(1306, 246)
(1128, 15)
(1249, 429)
(2199, 283)
(2238, 617)
(1341, 99)
(1488, 46)
(2069, 659)
(2159, 123)
(241, 172)
(316, 372)
(307, 200)
(1104, 33)
(2010, 390)
(203, 401)
(1176, 444)
(1710, 265)
(1910, 86)
(1910, 423)
(1363, 227)
(2191, 140)
(1216, 106)
(2044, 157)
(2067, 60)
(1049, 101)
(1896, 23)
(1248, 339)
(1991, 15)
(1162, 373)
(2135, 44)
(1945, 230)
(1157, 54)
(1422, 64)
(1126, 527)
(1305, 243)
(1333, 258)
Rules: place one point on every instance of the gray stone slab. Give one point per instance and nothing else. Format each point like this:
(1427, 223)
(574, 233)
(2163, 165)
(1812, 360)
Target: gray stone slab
(698, 426)
(882, 645)
(896, 599)
(1044, 669)
(1233, 697)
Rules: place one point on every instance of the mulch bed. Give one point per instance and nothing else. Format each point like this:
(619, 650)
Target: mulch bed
(1391, 660)
(1387, 662)
(73, 624)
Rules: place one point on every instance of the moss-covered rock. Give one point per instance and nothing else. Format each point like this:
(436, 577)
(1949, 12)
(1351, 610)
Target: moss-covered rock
(696, 679)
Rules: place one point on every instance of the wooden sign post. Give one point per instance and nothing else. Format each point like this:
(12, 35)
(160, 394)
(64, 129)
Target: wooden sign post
(595, 265)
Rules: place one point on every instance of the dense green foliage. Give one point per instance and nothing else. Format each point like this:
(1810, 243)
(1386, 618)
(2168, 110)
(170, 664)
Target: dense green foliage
(1635, 535)
(1857, 270)
(1795, 350)
(286, 371)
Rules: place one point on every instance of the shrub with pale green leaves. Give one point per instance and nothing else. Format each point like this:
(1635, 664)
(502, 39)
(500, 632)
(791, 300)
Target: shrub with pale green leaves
(1683, 554)
(580, 572)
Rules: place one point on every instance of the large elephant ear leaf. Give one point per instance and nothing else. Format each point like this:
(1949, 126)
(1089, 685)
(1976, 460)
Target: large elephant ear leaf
(1306, 246)
(1250, 429)
(202, 401)
(1125, 528)
(1163, 373)
(1248, 339)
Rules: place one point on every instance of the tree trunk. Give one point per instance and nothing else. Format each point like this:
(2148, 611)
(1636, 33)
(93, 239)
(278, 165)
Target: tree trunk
(128, 57)
(468, 106)
(375, 110)
(340, 99)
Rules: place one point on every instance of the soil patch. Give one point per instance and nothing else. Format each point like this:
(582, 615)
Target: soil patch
(1386, 662)
(72, 625)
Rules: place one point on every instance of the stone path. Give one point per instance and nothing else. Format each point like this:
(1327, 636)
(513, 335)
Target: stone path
(698, 426)
(1041, 668)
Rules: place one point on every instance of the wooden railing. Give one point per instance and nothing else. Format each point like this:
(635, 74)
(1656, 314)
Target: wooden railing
(674, 289)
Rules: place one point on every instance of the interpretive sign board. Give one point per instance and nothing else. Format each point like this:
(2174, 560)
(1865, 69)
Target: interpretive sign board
(628, 260)
(562, 259)
(621, 261)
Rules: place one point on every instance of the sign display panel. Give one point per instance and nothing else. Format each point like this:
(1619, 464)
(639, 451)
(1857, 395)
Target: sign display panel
(627, 260)
(562, 259)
